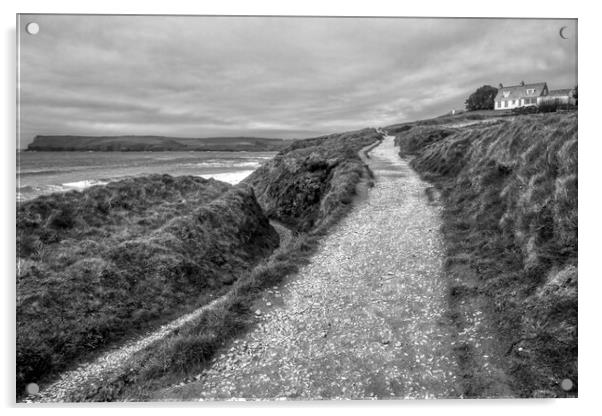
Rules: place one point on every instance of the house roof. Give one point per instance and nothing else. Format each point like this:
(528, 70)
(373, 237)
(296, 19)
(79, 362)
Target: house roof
(561, 93)
(520, 91)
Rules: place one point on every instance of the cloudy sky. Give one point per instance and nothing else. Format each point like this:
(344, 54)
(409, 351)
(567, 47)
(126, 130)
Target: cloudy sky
(270, 77)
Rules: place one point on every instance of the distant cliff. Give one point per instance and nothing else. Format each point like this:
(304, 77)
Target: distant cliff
(153, 143)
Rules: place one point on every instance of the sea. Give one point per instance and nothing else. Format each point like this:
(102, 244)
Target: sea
(40, 173)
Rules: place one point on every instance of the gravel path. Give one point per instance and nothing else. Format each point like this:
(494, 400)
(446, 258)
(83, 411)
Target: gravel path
(365, 319)
(92, 372)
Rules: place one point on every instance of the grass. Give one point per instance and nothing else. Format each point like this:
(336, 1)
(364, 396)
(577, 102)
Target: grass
(310, 185)
(510, 223)
(97, 266)
(306, 183)
(450, 120)
(187, 351)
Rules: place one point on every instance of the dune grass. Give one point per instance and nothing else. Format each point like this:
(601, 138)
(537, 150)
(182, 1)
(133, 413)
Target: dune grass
(97, 266)
(510, 223)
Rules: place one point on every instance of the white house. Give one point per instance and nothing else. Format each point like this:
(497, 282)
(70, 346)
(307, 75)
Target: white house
(522, 95)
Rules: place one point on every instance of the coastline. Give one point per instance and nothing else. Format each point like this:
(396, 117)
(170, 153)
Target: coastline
(43, 173)
(310, 186)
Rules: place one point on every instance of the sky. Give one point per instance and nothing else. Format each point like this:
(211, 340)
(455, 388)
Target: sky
(194, 76)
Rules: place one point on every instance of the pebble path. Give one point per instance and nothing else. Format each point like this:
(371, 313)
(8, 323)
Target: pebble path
(365, 319)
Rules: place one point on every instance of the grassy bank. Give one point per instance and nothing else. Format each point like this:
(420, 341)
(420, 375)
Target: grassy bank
(310, 183)
(510, 222)
(309, 186)
(99, 265)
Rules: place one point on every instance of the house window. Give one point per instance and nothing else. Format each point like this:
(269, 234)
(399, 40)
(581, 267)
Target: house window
(530, 91)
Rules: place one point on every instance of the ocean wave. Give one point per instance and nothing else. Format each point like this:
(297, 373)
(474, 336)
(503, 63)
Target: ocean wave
(231, 177)
(83, 184)
(30, 172)
(223, 164)
(28, 192)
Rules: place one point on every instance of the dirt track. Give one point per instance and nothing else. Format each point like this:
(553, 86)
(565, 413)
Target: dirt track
(365, 319)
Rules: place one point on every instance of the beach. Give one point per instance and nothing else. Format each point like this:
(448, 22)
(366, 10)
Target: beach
(41, 173)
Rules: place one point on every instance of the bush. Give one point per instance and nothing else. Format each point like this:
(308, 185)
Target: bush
(482, 99)
(548, 106)
(525, 110)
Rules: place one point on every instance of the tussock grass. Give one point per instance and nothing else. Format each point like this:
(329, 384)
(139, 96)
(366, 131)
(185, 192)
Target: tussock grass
(102, 264)
(510, 221)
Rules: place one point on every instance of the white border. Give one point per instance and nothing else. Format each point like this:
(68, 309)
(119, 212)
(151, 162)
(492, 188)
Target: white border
(589, 175)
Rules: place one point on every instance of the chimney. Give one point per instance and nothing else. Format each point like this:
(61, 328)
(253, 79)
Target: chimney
(522, 83)
(501, 85)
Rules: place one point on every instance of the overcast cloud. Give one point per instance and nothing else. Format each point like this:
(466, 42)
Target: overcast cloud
(271, 77)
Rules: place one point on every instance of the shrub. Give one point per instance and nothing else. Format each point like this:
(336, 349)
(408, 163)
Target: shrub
(549, 106)
(525, 110)
(482, 99)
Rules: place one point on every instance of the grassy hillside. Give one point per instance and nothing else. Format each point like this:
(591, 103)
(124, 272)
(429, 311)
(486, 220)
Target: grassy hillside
(98, 265)
(153, 143)
(459, 120)
(309, 183)
(510, 221)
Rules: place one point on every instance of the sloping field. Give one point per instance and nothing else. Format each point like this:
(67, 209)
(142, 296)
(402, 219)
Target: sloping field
(510, 223)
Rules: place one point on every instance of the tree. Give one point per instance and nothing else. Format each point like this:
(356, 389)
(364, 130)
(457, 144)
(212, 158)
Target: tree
(482, 99)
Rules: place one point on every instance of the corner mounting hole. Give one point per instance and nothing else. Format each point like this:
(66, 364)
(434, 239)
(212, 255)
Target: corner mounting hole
(32, 388)
(32, 28)
(567, 384)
